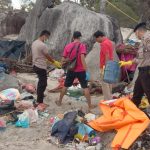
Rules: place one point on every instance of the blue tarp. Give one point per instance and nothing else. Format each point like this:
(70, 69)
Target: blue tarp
(12, 49)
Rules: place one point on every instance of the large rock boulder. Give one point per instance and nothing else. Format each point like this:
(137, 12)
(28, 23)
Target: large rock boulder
(11, 22)
(63, 20)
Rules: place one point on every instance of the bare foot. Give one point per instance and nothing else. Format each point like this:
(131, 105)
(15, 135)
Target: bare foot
(58, 103)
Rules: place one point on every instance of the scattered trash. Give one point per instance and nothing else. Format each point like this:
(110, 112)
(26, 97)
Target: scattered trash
(75, 91)
(44, 114)
(10, 94)
(143, 142)
(72, 131)
(57, 73)
(144, 103)
(29, 88)
(6, 107)
(26, 96)
(23, 120)
(33, 115)
(65, 129)
(2, 124)
(23, 105)
(89, 117)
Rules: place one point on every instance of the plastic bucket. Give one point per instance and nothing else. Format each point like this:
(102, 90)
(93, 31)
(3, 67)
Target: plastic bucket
(112, 72)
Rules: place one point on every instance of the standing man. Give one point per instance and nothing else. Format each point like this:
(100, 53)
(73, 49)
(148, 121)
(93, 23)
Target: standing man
(106, 53)
(80, 69)
(39, 59)
(142, 84)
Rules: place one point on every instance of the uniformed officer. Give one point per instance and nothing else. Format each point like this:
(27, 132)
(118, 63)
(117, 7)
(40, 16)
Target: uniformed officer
(142, 84)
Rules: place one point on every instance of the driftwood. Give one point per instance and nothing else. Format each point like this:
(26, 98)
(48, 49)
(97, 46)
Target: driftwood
(18, 66)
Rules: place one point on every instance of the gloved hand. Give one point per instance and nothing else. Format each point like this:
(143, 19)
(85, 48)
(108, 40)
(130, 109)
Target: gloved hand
(87, 76)
(125, 63)
(57, 64)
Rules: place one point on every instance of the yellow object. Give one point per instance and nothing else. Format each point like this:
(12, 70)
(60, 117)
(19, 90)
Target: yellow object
(123, 116)
(125, 63)
(57, 64)
(144, 103)
(79, 136)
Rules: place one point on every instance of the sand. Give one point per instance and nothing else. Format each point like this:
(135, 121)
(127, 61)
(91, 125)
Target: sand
(35, 137)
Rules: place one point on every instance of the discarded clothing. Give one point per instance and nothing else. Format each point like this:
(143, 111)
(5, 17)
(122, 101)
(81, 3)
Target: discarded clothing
(29, 88)
(10, 94)
(125, 118)
(2, 124)
(6, 107)
(65, 129)
(26, 96)
(23, 105)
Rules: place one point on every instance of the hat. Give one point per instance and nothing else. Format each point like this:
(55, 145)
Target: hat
(142, 24)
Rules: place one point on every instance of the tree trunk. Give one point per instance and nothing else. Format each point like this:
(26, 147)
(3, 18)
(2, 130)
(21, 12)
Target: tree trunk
(103, 6)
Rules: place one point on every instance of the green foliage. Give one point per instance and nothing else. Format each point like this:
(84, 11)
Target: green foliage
(26, 5)
(5, 5)
(124, 20)
(130, 7)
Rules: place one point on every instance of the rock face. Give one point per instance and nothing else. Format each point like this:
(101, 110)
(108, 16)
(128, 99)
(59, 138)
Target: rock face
(11, 22)
(63, 20)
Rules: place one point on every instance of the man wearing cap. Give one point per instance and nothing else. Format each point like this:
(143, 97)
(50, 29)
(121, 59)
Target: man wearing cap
(142, 84)
(80, 69)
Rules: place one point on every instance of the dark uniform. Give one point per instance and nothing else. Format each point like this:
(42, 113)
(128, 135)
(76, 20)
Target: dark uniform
(142, 84)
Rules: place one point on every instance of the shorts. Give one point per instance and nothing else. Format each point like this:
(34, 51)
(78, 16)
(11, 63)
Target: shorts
(81, 76)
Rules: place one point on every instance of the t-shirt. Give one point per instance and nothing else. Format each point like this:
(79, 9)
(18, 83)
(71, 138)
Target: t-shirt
(143, 57)
(82, 50)
(38, 58)
(106, 52)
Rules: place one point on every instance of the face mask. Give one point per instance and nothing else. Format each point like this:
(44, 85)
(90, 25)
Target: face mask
(46, 41)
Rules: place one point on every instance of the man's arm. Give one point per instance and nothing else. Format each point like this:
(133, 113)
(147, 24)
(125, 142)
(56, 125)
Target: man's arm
(83, 61)
(49, 58)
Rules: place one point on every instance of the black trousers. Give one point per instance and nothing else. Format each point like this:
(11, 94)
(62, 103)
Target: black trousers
(42, 83)
(142, 86)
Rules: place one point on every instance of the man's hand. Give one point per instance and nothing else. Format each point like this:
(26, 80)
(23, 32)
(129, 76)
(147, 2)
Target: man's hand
(125, 63)
(102, 70)
(57, 64)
